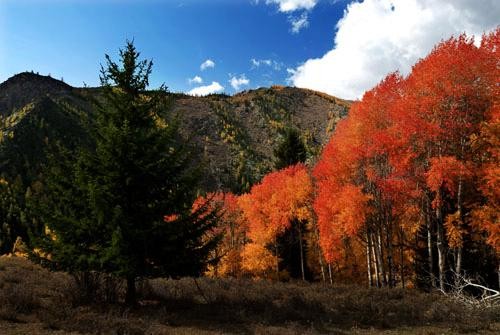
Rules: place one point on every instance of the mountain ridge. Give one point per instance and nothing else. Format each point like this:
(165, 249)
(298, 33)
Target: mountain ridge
(230, 131)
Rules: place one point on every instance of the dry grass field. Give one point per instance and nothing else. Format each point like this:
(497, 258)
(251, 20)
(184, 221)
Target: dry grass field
(36, 301)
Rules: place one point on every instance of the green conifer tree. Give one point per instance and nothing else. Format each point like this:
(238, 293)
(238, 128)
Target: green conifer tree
(291, 150)
(291, 246)
(105, 210)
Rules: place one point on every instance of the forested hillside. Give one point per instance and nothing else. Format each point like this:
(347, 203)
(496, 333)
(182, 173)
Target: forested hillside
(37, 110)
(233, 137)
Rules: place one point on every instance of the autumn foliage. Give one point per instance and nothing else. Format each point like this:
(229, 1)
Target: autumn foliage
(281, 198)
(415, 154)
(406, 189)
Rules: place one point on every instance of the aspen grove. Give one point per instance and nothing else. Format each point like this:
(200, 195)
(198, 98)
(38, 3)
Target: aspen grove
(405, 193)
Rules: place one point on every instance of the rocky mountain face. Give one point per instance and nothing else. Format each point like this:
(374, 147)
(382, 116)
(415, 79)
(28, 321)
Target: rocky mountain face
(235, 135)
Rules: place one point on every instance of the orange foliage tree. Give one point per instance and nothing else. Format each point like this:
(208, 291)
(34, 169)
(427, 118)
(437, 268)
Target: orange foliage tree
(270, 208)
(357, 185)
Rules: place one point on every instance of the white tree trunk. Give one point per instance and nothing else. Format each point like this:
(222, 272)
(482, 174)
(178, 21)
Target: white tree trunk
(368, 260)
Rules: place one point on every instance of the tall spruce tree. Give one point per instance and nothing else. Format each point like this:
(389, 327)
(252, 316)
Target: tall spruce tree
(291, 150)
(105, 210)
(291, 246)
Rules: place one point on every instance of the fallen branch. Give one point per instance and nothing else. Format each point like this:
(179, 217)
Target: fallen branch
(489, 297)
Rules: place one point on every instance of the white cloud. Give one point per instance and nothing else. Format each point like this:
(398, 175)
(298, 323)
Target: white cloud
(289, 6)
(259, 62)
(237, 83)
(214, 87)
(376, 37)
(266, 62)
(207, 64)
(195, 80)
(293, 5)
(299, 22)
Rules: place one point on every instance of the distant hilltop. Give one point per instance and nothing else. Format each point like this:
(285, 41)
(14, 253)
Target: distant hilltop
(36, 109)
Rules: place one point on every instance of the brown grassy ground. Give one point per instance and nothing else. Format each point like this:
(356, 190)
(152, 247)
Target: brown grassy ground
(35, 301)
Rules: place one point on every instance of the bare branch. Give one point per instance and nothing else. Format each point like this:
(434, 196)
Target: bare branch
(489, 298)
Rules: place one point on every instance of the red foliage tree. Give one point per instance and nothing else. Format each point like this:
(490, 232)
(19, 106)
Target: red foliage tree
(405, 156)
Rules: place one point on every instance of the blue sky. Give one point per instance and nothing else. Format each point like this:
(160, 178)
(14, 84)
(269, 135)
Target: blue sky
(341, 47)
(69, 39)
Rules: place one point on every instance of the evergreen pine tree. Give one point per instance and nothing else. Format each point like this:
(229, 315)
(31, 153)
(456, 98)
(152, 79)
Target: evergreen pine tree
(105, 210)
(291, 246)
(291, 150)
